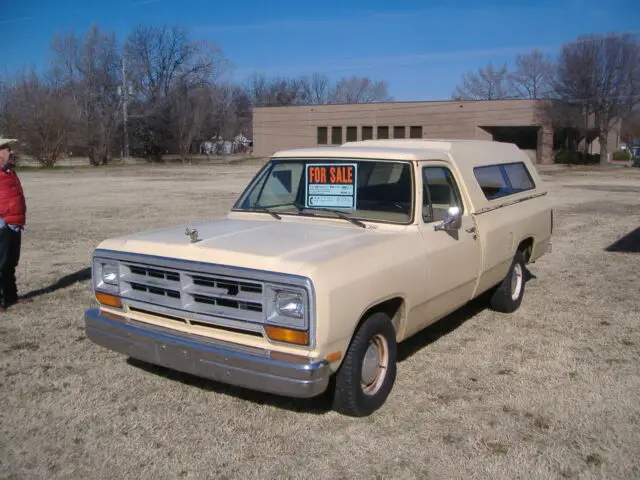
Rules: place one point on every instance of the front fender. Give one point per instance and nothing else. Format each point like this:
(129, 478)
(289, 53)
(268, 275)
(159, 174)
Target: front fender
(345, 292)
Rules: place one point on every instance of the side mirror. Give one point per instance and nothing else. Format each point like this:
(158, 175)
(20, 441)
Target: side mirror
(453, 220)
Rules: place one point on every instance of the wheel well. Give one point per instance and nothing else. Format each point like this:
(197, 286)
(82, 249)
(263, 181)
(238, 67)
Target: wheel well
(392, 307)
(526, 247)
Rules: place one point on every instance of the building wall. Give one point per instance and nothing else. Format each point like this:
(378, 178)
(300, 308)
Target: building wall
(277, 128)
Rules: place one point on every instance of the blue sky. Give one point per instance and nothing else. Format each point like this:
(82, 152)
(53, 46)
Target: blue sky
(421, 48)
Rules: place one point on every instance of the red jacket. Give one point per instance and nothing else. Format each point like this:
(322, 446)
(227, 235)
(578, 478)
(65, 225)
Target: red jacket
(13, 207)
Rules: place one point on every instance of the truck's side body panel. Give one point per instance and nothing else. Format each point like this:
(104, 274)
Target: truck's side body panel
(452, 259)
(505, 221)
(503, 229)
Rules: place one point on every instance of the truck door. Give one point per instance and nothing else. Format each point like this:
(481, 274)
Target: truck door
(453, 256)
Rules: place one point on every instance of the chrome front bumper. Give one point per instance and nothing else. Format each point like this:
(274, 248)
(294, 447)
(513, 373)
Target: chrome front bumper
(220, 361)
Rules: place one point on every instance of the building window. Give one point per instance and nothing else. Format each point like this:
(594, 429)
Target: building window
(367, 133)
(322, 135)
(336, 135)
(383, 132)
(352, 134)
(398, 132)
(415, 132)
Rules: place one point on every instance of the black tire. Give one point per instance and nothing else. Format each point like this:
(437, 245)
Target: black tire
(349, 396)
(502, 299)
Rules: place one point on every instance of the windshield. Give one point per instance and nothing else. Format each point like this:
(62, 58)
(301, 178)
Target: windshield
(378, 191)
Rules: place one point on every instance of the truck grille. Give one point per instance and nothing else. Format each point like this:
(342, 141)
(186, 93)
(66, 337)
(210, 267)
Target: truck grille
(207, 294)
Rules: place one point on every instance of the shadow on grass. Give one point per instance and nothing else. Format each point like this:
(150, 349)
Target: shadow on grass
(66, 281)
(448, 324)
(318, 405)
(442, 327)
(630, 243)
(322, 403)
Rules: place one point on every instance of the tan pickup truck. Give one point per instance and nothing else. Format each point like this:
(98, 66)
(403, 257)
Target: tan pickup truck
(329, 258)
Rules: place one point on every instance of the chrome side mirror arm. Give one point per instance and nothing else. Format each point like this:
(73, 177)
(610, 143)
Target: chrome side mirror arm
(453, 221)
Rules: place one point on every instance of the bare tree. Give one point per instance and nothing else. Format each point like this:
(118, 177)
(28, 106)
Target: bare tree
(39, 113)
(601, 74)
(189, 105)
(274, 92)
(360, 90)
(228, 118)
(257, 88)
(89, 66)
(487, 84)
(5, 89)
(315, 90)
(162, 59)
(567, 120)
(228, 113)
(631, 126)
(242, 111)
(533, 75)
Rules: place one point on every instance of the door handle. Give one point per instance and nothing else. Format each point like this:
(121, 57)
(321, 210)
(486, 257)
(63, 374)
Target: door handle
(470, 230)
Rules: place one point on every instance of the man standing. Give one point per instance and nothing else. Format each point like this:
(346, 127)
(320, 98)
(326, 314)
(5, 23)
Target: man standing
(13, 210)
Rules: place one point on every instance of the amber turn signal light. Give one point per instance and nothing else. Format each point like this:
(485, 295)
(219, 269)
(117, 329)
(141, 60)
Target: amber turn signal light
(333, 357)
(108, 300)
(287, 335)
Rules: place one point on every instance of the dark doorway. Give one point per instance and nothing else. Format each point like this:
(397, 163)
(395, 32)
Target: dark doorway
(525, 138)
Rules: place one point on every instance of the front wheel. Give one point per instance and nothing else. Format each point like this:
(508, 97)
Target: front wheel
(368, 372)
(507, 297)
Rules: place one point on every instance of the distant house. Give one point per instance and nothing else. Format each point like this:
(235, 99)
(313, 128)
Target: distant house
(242, 144)
(218, 146)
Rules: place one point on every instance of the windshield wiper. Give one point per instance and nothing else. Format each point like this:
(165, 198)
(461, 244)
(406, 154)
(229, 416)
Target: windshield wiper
(266, 210)
(301, 208)
(355, 221)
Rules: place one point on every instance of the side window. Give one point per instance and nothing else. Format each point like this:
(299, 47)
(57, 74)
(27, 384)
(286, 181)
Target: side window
(497, 181)
(491, 181)
(518, 177)
(440, 192)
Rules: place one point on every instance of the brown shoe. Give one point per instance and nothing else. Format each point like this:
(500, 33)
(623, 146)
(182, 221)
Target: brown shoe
(3, 309)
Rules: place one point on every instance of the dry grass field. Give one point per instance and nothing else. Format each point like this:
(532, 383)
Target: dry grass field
(552, 391)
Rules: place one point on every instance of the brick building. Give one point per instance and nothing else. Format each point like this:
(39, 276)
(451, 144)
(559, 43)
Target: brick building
(516, 121)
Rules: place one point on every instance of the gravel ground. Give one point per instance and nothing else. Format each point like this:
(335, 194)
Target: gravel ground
(550, 391)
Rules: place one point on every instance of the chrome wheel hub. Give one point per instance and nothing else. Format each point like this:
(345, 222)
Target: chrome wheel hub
(516, 281)
(374, 365)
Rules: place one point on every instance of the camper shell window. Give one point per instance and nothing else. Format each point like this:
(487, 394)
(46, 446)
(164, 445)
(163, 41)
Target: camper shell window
(502, 180)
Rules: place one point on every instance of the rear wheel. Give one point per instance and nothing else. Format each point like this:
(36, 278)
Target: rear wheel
(368, 372)
(507, 297)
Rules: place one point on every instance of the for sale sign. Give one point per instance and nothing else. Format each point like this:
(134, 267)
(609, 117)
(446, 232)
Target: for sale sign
(331, 185)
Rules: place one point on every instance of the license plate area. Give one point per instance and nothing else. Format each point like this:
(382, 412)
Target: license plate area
(173, 356)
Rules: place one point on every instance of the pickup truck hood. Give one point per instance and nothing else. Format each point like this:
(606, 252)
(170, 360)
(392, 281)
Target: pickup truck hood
(287, 245)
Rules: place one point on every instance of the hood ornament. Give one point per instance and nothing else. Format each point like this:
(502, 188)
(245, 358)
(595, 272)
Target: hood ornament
(192, 233)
